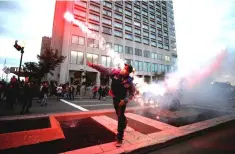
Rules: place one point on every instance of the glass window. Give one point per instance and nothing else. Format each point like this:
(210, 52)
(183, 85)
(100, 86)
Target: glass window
(146, 34)
(137, 16)
(107, 21)
(80, 58)
(129, 28)
(136, 23)
(92, 43)
(155, 67)
(160, 45)
(129, 36)
(73, 57)
(153, 36)
(145, 26)
(152, 29)
(106, 61)
(117, 16)
(137, 31)
(119, 9)
(107, 4)
(147, 54)
(128, 50)
(78, 2)
(145, 66)
(95, 8)
(93, 27)
(108, 13)
(138, 52)
(136, 9)
(94, 17)
(79, 13)
(140, 67)
(128, 13)
(107, 30)
(145, 41)
(118, 48)
(129, 61)
(167, 58)
(109, 45)
(153, 43)
(78, 40)
(93, 58)
(145, 13)
(116, 24)
(118, 33)
(148, 67)
(128, 20)
(137, 39)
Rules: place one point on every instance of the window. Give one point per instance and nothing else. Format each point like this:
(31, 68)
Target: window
(117, 33)
(79, 13)
(137, 16)
(93, 43)
(145, 41)
(93, 58)
(116, 24)
(154, 55)
(136, 23)
(154, 67)
(145, 27)
(145, 13)
(147, 54)
(161, 68)
(153, 36)
(78, 2)
(106, 61)
(153, 23)
(173, 59)
(117, 16)
(139, 65)
(94, 17)
(160, 45)
(138, 52)
(159, 26)
(109, 45)
(153, 43)
(107, 21)
(128, 6)
(128, 36)
(137, 39)
(152, 16)
(108, 13)
(107, 4)
(118, 48)
(147, 67)
(146, 34)
(78, 40)
(129, 61)
(76, 57)
(128, 28)
(136, 9)
(167, 58)
(128, 20)
(160, 57)
(119, 9)
(128, 50)
(95, 8)
(152, 29)
(128, 13)
(138, 31)
(166, 47)
(93, 27)
(107, 30)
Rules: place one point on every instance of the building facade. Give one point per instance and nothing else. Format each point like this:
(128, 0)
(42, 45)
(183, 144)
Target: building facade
(142, 32)
(46, 43)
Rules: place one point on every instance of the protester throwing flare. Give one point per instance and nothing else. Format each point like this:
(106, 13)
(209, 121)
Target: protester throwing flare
(122, 90)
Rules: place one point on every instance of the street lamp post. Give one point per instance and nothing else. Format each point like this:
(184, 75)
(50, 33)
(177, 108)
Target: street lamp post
(21, 49)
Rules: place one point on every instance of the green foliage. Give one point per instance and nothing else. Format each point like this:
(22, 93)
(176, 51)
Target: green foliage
(47, 63)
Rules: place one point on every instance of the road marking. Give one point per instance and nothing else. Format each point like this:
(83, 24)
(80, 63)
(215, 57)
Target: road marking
(87, 101)
(98, 105)
(74, 105)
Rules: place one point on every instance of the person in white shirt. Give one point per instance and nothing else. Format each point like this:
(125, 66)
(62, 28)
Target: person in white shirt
(59, 92)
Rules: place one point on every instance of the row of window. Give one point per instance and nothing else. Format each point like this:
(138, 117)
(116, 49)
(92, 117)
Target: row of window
(77, 57)
(119, 48)
(95, 43)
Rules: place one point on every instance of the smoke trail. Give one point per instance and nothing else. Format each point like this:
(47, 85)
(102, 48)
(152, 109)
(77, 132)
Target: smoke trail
(170, 84)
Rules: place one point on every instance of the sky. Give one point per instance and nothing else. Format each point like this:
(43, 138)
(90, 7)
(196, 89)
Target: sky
(202, 28)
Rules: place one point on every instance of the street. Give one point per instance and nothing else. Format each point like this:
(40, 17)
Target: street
(219, 140)
(55, 106)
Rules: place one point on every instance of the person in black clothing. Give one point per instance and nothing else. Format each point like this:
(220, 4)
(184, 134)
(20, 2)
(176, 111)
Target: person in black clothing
(122, 90)
(27, 98)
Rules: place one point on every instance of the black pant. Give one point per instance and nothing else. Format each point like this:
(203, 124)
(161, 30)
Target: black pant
(27, 104)
(122, 122)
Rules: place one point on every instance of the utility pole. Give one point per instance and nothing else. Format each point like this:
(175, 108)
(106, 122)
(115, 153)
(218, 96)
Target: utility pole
(21, 49)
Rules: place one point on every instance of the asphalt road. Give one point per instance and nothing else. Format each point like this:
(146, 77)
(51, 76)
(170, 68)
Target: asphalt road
(220, 140)
(55, 106)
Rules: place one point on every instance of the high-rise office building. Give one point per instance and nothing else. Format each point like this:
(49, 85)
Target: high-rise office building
(142, 32)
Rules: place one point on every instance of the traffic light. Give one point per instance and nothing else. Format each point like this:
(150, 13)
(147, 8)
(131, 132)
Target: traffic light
(18, 47)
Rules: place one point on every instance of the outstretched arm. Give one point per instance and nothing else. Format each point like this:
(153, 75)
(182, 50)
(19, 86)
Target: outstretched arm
(104, 70)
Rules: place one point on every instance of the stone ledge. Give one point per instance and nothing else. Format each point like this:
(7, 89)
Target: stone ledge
(22, 138)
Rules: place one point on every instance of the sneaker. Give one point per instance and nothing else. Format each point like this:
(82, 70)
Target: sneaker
(119, 143)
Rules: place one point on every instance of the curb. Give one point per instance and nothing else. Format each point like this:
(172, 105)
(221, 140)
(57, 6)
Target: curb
(154, 145)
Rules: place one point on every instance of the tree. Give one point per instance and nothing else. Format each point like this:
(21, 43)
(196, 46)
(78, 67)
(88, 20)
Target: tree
(47, 63)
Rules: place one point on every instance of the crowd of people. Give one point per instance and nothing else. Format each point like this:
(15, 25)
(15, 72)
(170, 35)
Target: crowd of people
(24, 91)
